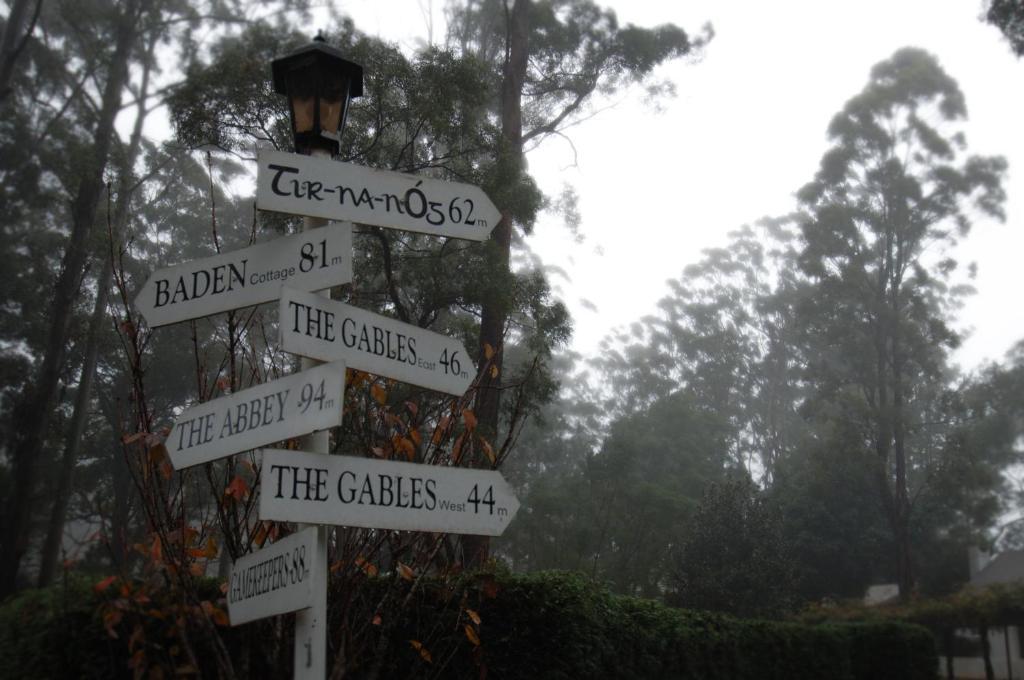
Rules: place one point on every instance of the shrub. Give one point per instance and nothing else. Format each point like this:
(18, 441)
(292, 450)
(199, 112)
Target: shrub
(551, 626)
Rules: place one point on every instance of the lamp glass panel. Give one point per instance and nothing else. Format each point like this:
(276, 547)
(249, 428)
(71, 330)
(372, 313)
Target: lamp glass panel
(333, 94)
(302, 113)
(302, 88)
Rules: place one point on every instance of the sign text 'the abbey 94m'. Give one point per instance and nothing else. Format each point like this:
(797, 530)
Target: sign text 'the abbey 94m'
(264, 414)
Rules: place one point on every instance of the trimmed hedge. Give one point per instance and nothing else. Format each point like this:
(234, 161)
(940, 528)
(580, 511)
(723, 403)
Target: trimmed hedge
(56, 633)
(549, 626)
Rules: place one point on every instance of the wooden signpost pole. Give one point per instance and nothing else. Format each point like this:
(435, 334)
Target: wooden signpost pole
(310, 657)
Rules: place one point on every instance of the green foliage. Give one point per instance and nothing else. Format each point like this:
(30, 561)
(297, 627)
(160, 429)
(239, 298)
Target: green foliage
(617, 514)
(831, 519)
(577, 49)
(733, 557)
(896, 185)
(970, 607)
(57, 633)
(822, 340)
(546, 625)
(1008, 16)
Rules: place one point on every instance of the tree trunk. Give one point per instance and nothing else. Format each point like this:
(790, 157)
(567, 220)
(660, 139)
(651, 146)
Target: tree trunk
(14, 39)
(33, 412)
(55, 529)
(949, 640)
(986, 653)
(494, 313)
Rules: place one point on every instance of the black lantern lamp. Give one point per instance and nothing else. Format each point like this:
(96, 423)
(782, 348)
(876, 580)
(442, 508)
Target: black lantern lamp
(319, 83)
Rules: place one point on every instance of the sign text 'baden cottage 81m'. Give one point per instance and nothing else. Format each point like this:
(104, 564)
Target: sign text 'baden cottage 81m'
(383, 494)
(319, 328)
(271, 412)
(318, 187)
(313, 260)
(275, 580)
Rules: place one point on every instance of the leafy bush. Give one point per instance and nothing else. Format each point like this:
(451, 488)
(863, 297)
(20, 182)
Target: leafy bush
(550, 626)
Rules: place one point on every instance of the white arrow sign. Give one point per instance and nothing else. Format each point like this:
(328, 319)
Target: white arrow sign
(312, 260)
(274, 411)
(318, 187)
(383, 494)
(324, 329)
(275, 580)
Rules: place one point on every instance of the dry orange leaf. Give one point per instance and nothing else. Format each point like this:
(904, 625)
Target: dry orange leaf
(405, 571)
(488, 350)
(494, 372)
(104, 584)
(237, 489)
(440, 430)
(370, 569)
(471, 635)
(157, 453)
(110, 619)
(166, 470)
(376, 620)
(470, 419)
(416, 437)
(378, 393)
(474, 617)
(424, 654)
(261, 535)
(489, 451)
(457, 449)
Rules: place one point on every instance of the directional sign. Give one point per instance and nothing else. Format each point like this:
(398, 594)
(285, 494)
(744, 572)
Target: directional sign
(275, 580)
(383, 494)
(312, 260)
(318, 187)
(324, 329)
(274, 411)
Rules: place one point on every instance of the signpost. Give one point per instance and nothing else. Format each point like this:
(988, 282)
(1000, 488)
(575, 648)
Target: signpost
(275, 580)
(383, 494)
(288, 407)
(312, 260)
(311, 487)
(320, 187)
(329, 330)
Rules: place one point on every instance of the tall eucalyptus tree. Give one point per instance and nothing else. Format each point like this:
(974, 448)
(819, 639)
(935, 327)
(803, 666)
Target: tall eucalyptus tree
(893, 194)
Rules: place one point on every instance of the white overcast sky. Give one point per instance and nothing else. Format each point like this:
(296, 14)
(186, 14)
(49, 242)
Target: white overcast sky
(745, 131)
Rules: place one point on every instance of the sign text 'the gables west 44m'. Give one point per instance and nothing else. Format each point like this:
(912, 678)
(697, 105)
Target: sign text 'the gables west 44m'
(319, 328)
(318, 187)
(313, 260)
(274, 411)
(383, 494)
